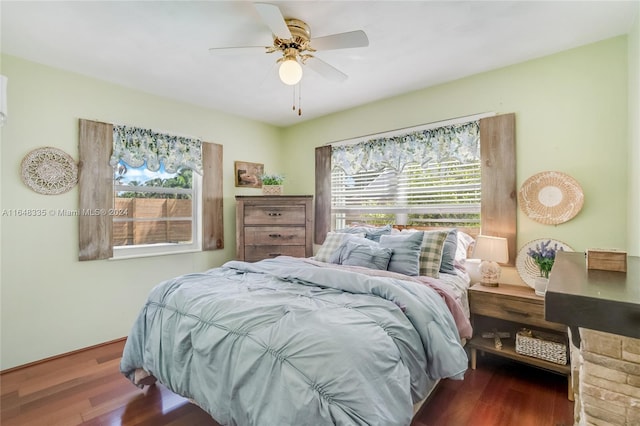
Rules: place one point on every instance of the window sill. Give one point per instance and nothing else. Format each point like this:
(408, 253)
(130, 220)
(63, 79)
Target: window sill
(140, 254)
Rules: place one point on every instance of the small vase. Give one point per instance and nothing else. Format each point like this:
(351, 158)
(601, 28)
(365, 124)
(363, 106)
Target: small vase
(271, 189)
(540, 284)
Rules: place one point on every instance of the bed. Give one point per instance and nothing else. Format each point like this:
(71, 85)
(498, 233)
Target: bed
(305, 341)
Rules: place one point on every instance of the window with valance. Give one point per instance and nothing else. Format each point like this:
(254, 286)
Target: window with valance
(448, 156)
(156, 192)
(137, 147)
(161, 193)
(427, 177)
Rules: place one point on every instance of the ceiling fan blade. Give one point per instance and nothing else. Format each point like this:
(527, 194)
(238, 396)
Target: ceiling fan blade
(341, 41)
(324, 69)
(272, 16)
(237, 50)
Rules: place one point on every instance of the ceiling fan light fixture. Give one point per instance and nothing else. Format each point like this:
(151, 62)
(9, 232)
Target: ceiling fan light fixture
(290, 71)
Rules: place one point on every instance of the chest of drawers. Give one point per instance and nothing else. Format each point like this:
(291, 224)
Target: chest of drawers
(270, 226)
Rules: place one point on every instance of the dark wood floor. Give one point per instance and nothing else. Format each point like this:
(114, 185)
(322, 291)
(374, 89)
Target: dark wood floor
(86, 388)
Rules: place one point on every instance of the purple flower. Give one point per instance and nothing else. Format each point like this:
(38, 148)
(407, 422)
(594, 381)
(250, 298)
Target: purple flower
(544, 256)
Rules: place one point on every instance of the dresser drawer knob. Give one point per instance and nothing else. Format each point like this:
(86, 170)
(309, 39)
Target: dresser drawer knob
(274, 214)
(275, 235)
(274, 254)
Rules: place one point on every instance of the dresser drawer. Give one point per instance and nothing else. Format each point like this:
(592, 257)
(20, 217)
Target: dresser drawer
(275, 235)
(274, 215)
(255, 253)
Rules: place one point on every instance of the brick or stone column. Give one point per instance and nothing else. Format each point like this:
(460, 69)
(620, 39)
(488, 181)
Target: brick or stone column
(609, 379)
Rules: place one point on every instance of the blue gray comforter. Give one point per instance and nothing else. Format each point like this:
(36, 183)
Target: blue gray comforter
(285, 342)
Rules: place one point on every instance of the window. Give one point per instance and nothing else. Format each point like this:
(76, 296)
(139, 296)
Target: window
(444, 194)
(155, 212)
(156, 198)
(98, 187)
(429, 177)
(498, 187)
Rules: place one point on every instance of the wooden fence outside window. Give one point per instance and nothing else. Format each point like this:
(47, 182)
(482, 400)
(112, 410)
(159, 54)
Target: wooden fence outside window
(152, 221)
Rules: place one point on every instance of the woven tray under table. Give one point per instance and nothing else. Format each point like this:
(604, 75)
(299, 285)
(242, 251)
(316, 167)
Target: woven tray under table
(538, 344)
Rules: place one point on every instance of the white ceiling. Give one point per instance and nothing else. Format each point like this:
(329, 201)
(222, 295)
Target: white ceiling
(162, 47)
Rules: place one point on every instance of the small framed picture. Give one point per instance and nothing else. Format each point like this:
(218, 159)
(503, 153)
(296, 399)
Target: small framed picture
(248, 174)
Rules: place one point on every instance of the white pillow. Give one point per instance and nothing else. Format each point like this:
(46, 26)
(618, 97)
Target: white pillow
(464, 241)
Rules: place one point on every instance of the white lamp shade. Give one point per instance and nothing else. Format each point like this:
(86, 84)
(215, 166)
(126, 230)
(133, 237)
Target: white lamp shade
(491, 248)
(290, 72)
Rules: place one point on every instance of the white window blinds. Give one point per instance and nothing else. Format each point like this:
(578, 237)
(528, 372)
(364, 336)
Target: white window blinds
(428, 178)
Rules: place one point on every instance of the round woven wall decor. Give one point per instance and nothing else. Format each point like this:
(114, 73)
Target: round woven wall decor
(49, 171)
(551, 197)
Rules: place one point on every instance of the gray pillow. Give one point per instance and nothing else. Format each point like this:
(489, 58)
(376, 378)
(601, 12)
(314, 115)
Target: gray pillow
(406, 252)
(449, 252)
(370, 232)
(369, 256)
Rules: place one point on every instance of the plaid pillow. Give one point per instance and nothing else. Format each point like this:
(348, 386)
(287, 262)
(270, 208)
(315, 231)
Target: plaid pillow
(331, 243)
(431, 253)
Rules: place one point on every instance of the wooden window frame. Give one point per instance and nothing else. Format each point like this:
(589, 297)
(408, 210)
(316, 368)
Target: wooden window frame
(95, 182)
(498, 209)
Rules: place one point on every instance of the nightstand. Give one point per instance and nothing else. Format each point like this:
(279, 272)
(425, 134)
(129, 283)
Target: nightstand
(508, 308)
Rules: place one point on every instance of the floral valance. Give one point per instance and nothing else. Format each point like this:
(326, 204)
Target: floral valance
(135, 146)
(459, 141)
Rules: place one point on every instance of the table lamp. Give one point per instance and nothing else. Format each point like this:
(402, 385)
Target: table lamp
(491, 250)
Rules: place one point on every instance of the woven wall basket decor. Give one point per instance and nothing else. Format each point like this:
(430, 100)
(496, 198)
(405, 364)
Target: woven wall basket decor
(551, 197)
(49, 171)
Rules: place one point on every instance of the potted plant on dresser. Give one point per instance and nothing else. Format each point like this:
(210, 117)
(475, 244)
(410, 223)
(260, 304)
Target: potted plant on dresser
(272, 184)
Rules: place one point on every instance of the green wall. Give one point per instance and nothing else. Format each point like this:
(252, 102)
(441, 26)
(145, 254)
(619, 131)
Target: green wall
(634, 138)
(50, 302)
(572, 115)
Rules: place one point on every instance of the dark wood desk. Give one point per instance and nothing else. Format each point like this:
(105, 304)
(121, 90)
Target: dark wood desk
(599, 300)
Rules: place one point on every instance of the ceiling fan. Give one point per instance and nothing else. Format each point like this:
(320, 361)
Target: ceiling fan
(292, 38)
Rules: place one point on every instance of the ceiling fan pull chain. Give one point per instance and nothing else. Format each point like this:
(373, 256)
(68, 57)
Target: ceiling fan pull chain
(294, 98)
(300, 98)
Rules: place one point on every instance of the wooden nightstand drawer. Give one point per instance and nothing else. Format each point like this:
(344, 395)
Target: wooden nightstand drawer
(496, 306)
(511, 303)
